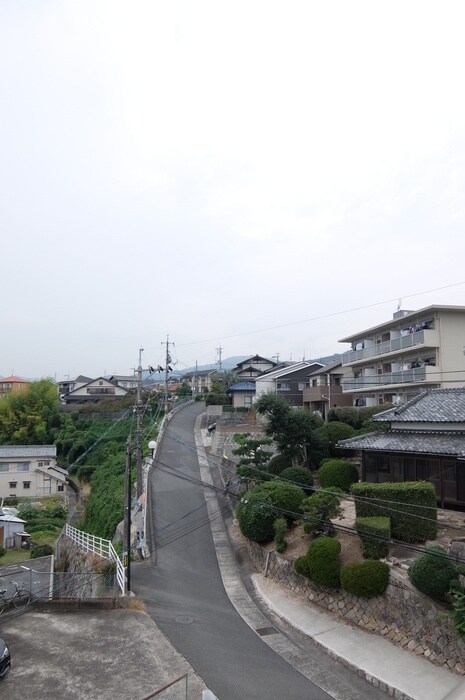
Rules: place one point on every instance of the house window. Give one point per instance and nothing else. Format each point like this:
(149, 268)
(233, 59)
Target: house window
(60, 487)
(44, 464)
(22, 467)
(283, 386)
(4, 467)
(26, 484)
(247, 401)
(13, 484)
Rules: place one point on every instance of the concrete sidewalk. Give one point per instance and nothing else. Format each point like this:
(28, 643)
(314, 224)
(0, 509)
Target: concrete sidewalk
(400, 673)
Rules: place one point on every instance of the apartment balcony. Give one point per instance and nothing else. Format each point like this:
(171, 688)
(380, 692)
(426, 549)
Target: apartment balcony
(424, 338)
(416, 375)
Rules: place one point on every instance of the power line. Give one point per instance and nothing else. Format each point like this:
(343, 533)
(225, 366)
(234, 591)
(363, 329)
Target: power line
(325, 316)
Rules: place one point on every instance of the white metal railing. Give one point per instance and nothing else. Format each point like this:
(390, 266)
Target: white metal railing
(100, 547)
(408, 376)
(429, 338)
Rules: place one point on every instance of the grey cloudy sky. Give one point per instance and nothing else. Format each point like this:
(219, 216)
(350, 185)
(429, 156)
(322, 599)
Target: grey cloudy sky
(257, 175)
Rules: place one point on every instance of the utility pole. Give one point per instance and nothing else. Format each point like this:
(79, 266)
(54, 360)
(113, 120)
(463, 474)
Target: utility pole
(194, 383)
(127, 518)
(138, 409)
(218, 350)
(167, 369)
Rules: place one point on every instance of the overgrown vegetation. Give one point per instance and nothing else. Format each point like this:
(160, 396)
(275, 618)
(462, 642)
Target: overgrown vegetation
(43, 521)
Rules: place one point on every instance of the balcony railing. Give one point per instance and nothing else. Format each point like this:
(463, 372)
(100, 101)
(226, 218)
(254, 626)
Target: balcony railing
(428, 338)
(406, 376)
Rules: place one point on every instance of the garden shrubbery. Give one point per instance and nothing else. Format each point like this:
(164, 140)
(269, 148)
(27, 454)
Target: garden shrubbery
(433, 572)
(278, 463)
(365, 580)
(321, 564)
(375, 534)
(258, 510)
(411, 507)
(301, 476)
(339, 473)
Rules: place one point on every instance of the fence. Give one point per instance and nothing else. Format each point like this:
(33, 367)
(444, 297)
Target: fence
(102, 548)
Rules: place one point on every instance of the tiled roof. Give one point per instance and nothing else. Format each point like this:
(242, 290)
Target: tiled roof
(441, 443)
(243, 386)
(31, 451)
(433, 406)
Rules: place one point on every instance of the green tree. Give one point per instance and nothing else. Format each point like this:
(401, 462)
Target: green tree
(253, 458)
(30, 416)
(295, 432)
(183, 391)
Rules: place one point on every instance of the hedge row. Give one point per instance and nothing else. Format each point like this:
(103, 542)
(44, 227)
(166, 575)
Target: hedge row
(411, 507)
(375, 534)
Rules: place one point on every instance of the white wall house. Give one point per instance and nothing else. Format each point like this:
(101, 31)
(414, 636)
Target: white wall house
(30, 471)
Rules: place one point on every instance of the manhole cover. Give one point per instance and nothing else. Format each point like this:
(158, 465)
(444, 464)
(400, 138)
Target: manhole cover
(184, 619)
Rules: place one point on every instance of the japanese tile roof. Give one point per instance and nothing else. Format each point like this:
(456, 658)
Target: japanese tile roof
(432, 406)
(440, 443)
(243, 386)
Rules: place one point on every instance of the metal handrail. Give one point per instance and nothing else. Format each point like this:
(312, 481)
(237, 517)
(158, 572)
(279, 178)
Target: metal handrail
(100, 547)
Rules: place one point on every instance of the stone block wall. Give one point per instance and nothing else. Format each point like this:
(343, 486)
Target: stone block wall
(403, 615)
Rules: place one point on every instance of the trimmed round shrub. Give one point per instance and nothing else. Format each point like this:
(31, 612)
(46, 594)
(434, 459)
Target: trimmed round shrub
(367, 579)
(300, 476)
(338, 431)
(278, 463)
(339, 473)
(284, 497)
(433, 572)
(255, 516)
(301, 566)
(260, 507)
(41, 550)
(321, 564)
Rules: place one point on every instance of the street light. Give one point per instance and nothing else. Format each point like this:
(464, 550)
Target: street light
(153, 447)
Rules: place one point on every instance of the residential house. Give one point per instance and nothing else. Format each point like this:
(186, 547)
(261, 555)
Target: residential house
(201, 381)
(94, 390)
(242, 394)
(416, 350)
(425, 442)
(324, 390)
(252, 367)
(68, 385)
(30, 471)
(127, 382)
(10, 385)
(287, 380)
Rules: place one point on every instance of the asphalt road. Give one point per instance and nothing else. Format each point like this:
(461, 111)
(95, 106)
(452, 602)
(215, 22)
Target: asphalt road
(184, 593)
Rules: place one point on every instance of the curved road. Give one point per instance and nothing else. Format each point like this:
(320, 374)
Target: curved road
(184, 593)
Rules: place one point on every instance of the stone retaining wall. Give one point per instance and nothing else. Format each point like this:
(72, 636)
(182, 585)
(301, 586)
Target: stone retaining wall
(404, 615)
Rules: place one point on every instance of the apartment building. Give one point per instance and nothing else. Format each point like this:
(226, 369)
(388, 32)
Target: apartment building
(416, 350)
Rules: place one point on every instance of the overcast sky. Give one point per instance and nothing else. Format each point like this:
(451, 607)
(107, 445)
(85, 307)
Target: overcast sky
(265, 177)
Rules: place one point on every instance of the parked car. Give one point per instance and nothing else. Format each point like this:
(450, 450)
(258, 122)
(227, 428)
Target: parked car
(5, 658)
